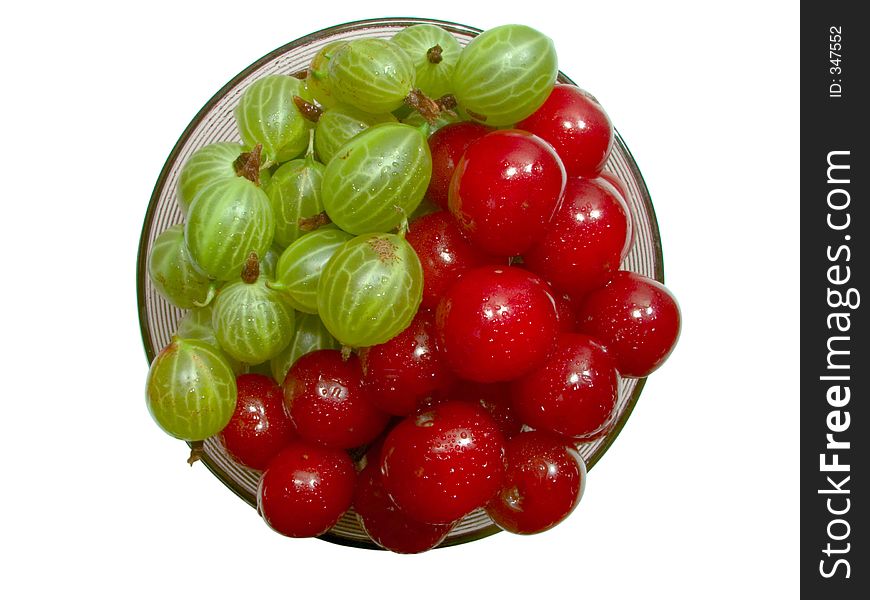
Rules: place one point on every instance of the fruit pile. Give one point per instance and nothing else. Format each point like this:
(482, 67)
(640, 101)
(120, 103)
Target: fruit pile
(403, 289)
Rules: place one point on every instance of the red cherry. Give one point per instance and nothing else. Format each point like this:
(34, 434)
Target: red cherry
(385, 524)
(444, 253)
(405, 369)
(636, 318)
(447, 146)
(505, 190)
(493, 397)
(568, 319)
(573, 393)
(306, 489)
(259, 428)
(565, 306)
(619, 186)
(577, 127)
(616, 182)
(440, 465)
(325, 398)
(496, 323)
(544, 482)
(585, 240)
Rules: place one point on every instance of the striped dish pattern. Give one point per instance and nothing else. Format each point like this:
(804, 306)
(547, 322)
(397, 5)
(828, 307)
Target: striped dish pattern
(339, 124)
(432, 79)
(215, 123)
(191, 390)
(253, 323)
(294, 193)
(228, 220)
(371, 74)
(310, 335)
(299, 268)
(377, 179)
(173, 272)
(267, 115)
(370, 289)
(207, 164)
(526, 69)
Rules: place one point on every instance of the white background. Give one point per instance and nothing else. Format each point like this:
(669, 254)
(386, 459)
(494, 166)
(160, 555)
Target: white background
(698, 498)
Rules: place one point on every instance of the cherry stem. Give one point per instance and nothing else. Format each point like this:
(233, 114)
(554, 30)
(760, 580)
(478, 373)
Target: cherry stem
(358, 455)
(434, 54)
(248, 165)
(310, 111)
(197, 451)
(251, 270)
(314, 221)
(423, 104)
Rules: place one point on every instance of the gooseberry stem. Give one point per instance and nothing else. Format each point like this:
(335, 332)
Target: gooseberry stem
(251, 270)
(276, 285)
(476, 115)
(404, 225)
(433, 54)
(310, 111)
(248, 165)
(197, 451)
(447, 103)
(212, 289)
(423, 104)
(425, 129)
(309, 154)
(314, 221)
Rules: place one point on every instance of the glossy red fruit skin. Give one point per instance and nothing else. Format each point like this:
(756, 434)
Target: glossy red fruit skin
(636, 318)
(385, 524)
(444, 254)
(505, 190)
(619, 186)
(259, 428)
(584, 243)
(577, 127)
(573, 393)
(495, 398)
(401, 371)
(440, 465)
(496, 323)
(447, 146)
(544, 481)
(616, 182)
(326, 400)
(568, 319)
(306, 489)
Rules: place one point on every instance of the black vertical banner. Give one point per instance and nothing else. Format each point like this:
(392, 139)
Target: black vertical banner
(835, 342)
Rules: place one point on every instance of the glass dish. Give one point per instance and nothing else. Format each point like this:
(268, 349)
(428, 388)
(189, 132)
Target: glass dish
(215, 123)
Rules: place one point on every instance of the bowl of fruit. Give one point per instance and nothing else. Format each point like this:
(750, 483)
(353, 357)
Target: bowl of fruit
(400, 285)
